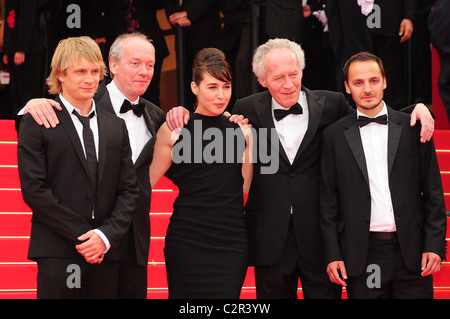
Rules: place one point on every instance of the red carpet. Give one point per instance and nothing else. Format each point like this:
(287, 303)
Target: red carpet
(18, 274)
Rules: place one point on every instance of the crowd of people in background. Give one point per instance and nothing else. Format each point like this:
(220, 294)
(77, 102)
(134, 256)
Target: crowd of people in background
(329, 31)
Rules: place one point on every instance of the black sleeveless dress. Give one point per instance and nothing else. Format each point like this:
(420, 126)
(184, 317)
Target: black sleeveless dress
(206, 241)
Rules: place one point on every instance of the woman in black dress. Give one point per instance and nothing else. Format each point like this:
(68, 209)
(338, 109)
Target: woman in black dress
(209, 160)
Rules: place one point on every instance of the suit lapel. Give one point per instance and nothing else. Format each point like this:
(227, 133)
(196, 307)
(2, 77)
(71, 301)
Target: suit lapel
(394, 133)
(315, 109)
(264, 111)
(353, 137)
(102, 143)
(148, 115)
(103, 100)
(148, 148)
(66, 121)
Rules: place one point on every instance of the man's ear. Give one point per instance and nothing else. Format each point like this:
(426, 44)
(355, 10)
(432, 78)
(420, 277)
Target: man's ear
(347, 88)
(262, 81)
(112, 67)
(60, 75)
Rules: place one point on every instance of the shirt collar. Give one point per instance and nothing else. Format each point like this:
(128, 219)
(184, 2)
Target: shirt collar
(301, 97)
(70, 107)
(117, 97)
(382, 112)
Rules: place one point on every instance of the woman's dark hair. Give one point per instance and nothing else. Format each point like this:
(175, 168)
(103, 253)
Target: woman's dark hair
(213, 62)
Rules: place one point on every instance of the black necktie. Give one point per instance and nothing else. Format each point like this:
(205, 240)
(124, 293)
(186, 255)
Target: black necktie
(363, 120)
(89, 146)
(294, 109)
(138, 109)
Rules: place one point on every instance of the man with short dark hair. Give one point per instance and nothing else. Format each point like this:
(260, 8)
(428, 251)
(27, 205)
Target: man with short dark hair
(381, 198)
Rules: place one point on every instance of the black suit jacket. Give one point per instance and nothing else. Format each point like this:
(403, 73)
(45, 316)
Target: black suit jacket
(271, 195)
(154, 118)
(416, 190)
(55, 185)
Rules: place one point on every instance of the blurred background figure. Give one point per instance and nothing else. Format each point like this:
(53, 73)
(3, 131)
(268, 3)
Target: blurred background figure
(439, 24)
(110, 18)
(24, 51)
(201, 29)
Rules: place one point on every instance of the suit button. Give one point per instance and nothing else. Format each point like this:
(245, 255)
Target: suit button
(292, 175)
(88, 198)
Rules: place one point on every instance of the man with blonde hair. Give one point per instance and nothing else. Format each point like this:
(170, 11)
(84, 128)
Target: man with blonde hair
(79, 181)
(131, 65)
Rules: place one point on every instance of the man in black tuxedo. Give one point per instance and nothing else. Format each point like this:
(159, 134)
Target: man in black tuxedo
(79, 181)
(282, 208)
(132, 57)
(382, 202)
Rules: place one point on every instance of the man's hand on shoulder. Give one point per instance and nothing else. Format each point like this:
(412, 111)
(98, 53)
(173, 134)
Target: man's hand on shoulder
(422, 113)
(177, 118)
(42, 110)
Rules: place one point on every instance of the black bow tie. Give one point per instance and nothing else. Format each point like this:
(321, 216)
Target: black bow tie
(294, 109)
(138, 109)
(363, 120)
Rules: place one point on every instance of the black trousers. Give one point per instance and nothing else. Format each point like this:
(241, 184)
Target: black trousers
(132, 277)
(387, 276)
(280, 280)
(74, 278)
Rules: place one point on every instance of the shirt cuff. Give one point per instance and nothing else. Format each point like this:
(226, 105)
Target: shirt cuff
(103, 237)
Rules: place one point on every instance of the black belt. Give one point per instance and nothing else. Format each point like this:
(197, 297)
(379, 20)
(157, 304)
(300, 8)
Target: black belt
(383, 235)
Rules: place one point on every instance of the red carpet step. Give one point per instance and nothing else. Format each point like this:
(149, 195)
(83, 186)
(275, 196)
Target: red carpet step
(18, 274)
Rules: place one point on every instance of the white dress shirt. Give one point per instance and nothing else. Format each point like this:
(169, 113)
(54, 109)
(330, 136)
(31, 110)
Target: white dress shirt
(138, 131)
(78, 126)
(93, 123)
(375, 143)
(292, 128)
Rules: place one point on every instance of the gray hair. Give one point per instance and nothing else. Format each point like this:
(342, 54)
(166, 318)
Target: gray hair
(116, 52)
(263, 49)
